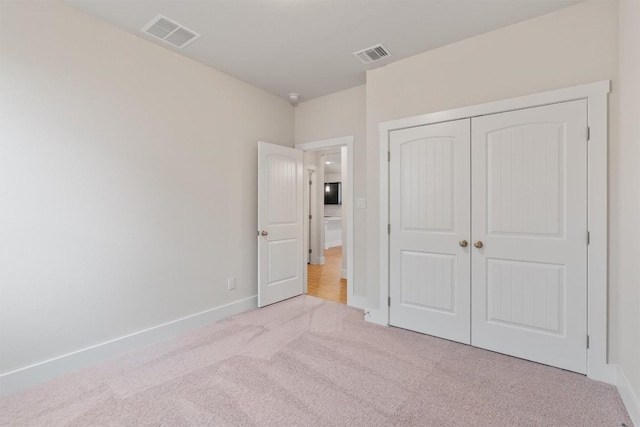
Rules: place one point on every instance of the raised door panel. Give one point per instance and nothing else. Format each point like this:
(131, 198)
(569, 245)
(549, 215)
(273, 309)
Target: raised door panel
(525, 181)
(282, 260)
(282, 191)
(527, 295)
(428, 281)
(427, 182)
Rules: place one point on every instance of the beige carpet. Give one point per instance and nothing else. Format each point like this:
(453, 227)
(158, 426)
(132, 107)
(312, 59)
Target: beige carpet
(310, 362)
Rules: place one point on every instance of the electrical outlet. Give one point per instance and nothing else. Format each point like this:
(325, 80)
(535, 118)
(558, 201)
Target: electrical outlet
(231, 283)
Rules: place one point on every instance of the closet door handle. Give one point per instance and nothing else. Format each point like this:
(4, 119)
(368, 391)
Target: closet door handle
(264, 233)
(463, 243)
(478, 244)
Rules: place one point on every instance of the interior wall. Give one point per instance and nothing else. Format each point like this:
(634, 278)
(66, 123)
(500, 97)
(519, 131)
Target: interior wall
(123, 203)
(625, 207)
(340, 114)
(342, 209)
(572, 46)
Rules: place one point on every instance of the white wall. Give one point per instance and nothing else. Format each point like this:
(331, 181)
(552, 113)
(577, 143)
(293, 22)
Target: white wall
(574, 45)
(340, 114)
(625, 206)
(333, 177)
(340, 210)
(122, 202)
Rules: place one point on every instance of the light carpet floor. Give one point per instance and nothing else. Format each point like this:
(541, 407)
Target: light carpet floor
(310, 362)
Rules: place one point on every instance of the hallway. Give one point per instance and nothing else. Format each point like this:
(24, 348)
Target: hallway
(324, 280)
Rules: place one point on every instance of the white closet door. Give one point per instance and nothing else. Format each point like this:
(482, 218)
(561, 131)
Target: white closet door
(529, 189)
(429, 217)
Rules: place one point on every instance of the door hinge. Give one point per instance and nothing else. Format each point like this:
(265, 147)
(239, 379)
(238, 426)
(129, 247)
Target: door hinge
(310, 251)
(310, 182)
(388, 228)
(587, 341)
(310, 216)
(588, 133)
(388, 156)
(588, 237)
(389, 301)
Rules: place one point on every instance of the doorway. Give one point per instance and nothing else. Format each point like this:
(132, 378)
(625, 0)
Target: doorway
(326, 273)
(328, 219)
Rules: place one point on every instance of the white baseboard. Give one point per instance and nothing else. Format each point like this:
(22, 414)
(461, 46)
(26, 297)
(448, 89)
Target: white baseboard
(332, 244)
(28, 376)
(379, 317)
(357, 302)
(629, 398)
(317, 260)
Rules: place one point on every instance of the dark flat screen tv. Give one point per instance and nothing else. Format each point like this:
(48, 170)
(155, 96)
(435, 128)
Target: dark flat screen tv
(332, 193)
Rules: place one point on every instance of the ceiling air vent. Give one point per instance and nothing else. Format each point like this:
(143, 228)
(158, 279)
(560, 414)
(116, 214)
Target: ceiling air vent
(170, 32)
(372, 54)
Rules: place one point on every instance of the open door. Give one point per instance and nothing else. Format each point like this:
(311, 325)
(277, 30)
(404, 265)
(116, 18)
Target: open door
(280, 223)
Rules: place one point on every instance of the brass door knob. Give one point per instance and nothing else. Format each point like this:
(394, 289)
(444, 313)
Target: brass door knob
(464, 243)
(478, 244)
(264, 233)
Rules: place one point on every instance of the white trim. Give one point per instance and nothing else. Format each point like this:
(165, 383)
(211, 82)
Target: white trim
(332, 244)
(326, 143)
(343, 273)
(28, 376)
(598, 249)
(348, 141)
(307, 196)
(534, 100)
(379, 317)
(629, 398)
(358, 302)
(316, 260)
(596, 96)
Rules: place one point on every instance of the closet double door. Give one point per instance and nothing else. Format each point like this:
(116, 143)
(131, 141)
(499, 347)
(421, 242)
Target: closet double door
(488, 240)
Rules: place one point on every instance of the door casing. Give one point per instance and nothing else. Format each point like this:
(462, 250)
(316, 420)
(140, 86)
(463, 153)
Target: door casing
(348, 141)
(596, 95)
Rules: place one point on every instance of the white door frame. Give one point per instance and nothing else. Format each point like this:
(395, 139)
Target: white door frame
(309, 206)
(596, 95)
(348, 141)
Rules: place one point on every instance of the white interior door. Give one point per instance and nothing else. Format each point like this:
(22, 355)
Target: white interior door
(429, 217)
(280, 223)
(529, 278)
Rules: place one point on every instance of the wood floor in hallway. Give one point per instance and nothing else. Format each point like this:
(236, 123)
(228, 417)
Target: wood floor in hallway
(324, 280)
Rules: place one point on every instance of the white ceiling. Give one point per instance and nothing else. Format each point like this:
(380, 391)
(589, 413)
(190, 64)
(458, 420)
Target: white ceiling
(334, 165)
(307, 46)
